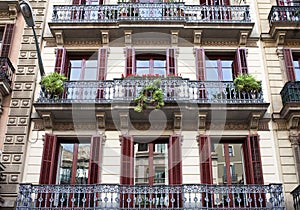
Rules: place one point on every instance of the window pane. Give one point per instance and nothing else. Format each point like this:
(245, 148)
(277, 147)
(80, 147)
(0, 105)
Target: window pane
(159, 63)
(65, 165)
(160, 71)
(82, 166)
(141, 71)
(75, 70)
(143, 63)
(90, 74)
(227, 74)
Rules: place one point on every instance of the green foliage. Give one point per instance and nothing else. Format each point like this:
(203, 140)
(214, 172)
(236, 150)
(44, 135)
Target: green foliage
(157, 96)
(52, 84)
(246, 82)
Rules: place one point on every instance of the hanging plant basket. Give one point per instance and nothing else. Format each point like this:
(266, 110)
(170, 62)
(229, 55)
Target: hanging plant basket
(150, 94)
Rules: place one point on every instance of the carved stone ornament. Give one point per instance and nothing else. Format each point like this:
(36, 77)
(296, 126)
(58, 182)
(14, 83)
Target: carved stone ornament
(202, 121)
(100, 120)
(197, 36)
(254, 121)
(177, 121)
(48, 121)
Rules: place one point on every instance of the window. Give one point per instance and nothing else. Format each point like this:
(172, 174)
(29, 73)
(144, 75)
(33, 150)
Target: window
(6, 35)
(292, 63)
(151, 65)
(151, 167)
(230, 151)
(244, 167)
(82, 66)
(219, 68)
(213, 66)
(138, 63)
(74, 163)
(70, 161)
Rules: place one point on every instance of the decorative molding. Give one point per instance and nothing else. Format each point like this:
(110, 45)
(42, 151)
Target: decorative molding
(177, 120)
(281, 124)
(292, 43)
(82, 43)
(128, 37)
(124, 118)
(105, 37)
(279, 52)
(197, 37)
(59, 37)
(174, 37)
(202, 120)
(294, 122)
(220, 43)
(12, 10)
(4, 14)
(38, 124)
(100, 120)
(154, 126)
(263, 125)
(153, 42)
(48, 120)
(243, 37)
(294, 138)
(228, 126)
(280, 37)
(254, 121)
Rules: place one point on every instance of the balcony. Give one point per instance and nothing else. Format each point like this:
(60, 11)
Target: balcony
(296, 197)
(290, 95)
(6, 75)
(105, 196)
(216, 99)
(284, 18)
(89, 20)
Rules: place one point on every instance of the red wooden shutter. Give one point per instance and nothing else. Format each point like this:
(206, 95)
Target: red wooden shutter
(78, 2)
(62, 62)
(175, 160)
(289, 66)
(226, 2)
(95, 160)
(127, 161)
(102, 63)
(240, 62)
(202, 2)
(253, 166)
(171, 61)
(6, 40)
(200, 64)
(130, 61)
(49, 160)
(205, 159)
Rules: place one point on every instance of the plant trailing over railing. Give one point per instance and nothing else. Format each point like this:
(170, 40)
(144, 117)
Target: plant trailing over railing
(52, 85)
(151, 93)
(247, 83)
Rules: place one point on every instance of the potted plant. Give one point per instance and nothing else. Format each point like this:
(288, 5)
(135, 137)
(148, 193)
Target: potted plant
(247, 83)
(152, 93)
(52, 85)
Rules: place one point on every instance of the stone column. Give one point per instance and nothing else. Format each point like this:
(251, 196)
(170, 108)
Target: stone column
(15, 140)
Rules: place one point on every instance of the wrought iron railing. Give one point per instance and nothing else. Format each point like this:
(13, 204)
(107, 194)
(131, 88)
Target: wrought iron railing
(7, 70)
(150, 12)
(290, 92)
(296, 197)
(105, 196)
(284, 14)
(178, 90)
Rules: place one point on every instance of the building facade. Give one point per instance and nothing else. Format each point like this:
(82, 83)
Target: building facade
(150, 114)
(10, 36)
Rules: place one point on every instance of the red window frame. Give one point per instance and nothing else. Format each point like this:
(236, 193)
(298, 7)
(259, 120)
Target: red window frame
(292, 71)
(88, 2)
(50, 157)
(63, 65)
(131, 56)
(7, 39)
(252, 160)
